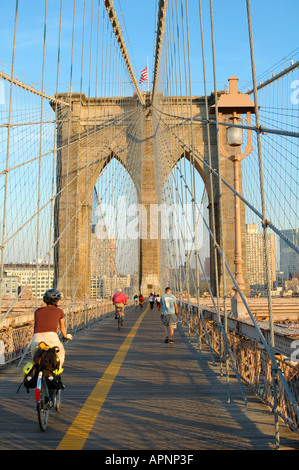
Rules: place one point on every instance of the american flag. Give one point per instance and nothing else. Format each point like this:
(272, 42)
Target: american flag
(144, 75)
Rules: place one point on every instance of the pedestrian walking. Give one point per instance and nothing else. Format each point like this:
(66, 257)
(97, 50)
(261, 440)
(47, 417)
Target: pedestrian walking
(169, 314)
(151, 300)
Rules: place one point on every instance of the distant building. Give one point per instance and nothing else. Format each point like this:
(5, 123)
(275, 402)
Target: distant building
(102, 256)
(38, 281)
(289, 259)
(104, 286)
(256, 262)
(9, 286)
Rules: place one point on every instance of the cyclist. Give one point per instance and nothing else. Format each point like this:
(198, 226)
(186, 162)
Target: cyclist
(46, 321)
(141, 300)
(136, 301)
(120, 300)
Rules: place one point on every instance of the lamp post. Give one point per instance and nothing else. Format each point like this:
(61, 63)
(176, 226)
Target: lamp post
(233, 104)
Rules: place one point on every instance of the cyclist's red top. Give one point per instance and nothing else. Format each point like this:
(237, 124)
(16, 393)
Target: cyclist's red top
(47, 319)
(119, 298)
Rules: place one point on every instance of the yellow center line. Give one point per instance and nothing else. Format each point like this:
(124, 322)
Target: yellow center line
(78, 432)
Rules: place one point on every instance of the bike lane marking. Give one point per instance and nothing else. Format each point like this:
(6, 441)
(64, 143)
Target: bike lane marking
(78, 432)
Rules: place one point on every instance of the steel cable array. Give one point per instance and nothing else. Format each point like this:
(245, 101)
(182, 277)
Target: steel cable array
(270, 175)
(73, 147)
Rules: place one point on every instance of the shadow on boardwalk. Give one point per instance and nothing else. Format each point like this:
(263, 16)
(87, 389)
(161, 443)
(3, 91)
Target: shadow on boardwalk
(165, 397)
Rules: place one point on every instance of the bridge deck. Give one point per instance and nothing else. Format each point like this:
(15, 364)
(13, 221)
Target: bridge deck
(164, 397)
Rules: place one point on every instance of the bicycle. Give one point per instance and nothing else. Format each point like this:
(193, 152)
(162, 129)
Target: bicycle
(119, 318)
(48, 394)
(46, 397)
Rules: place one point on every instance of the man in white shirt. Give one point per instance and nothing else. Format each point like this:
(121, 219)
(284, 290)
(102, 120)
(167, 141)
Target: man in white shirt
(170, 311)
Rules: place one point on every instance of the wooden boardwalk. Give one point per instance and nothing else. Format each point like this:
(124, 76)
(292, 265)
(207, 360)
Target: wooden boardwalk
(134, 392)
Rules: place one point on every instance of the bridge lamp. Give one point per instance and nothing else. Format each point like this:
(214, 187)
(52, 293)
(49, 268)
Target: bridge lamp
(231, 105)
(235, 136)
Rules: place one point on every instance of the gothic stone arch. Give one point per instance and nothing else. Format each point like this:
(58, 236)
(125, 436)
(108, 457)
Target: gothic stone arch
(87, 139)
(198, 140)
(86, 144)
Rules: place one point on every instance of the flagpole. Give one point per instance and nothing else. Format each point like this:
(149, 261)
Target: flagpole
(144, 77)
(147, 73)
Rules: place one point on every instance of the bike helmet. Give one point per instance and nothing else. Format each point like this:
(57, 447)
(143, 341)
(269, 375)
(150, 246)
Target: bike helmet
(51, 296)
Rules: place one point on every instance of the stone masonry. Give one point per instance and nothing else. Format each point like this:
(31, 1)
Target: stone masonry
(88, 139)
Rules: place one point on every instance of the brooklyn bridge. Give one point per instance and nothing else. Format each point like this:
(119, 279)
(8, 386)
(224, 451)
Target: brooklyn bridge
(117, 177)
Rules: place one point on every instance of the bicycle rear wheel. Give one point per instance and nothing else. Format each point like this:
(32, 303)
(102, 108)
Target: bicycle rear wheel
(42, 401)
(119, 321)
(57, 400)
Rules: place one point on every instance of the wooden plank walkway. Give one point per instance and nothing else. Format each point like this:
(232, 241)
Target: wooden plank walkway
(163, 397)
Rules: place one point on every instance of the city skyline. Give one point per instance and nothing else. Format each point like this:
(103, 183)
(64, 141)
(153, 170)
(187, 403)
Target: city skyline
(20, 207)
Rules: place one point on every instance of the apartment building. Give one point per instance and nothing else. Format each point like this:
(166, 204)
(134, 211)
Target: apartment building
(255, 259)
(39, 280)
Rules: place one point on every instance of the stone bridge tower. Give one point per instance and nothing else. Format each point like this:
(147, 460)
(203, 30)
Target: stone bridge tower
(85, 147)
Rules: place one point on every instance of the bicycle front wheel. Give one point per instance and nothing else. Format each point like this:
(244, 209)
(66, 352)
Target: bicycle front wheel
(42, 401)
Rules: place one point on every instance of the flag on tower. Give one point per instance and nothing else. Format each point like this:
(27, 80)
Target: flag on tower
(144, 75)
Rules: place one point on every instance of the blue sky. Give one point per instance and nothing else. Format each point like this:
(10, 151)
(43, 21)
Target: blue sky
(275, 32)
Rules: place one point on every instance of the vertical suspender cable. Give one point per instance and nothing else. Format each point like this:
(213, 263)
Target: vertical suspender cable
(181, 102)
(190, 143)
(87, 244)
(180, 286)
(211, 202)
(219, 187)
(67, 274)
(55, 146)
(192, 162)
(7, 155)
(193, 185)
(264, 223)
(78, 203)
(96, 274)
(40, 154)
(218, 152)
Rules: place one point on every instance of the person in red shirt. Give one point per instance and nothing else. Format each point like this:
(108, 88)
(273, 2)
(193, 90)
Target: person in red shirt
(120, 300)
(46, 322)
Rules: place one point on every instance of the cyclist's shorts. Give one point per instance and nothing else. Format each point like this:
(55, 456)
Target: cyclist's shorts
(121, 306)
(51, 339)
(171, 320)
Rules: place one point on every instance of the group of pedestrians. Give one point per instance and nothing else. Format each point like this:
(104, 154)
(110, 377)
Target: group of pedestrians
(48, 318)
(154, 298)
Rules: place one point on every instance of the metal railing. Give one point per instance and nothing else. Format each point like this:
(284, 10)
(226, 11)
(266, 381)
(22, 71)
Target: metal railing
(251, 361)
